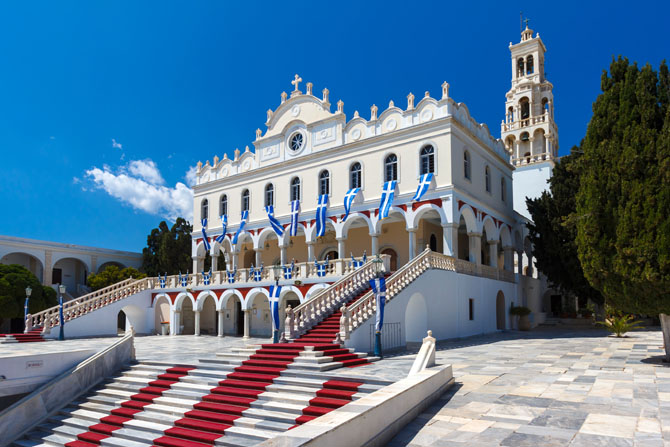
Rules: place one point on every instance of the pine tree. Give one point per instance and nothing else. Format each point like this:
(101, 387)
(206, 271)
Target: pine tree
(168, 249)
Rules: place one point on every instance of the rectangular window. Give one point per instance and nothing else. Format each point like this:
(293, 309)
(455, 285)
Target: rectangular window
(471, 304)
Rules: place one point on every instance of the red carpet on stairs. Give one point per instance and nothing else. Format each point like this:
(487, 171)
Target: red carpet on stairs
(31, 336)
(97, 432)
(333, 395)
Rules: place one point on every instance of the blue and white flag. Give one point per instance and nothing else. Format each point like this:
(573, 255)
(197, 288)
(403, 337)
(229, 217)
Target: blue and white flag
(256, 273)
(295, 210)
(321, 268)
(275, 291)
(387, 199)
(243, 223)
(162, 280)
(224, 223)
(379, 289)
(205, 239)
(321, 215)
(206, 277)
(288, 271)
(354, 263)
(183, 280)
(274, 223)
(348, 200)
(231, 276)
(424, 184)
(365, 256)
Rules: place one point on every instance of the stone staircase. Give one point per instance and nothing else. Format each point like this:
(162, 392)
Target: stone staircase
(34, 335)
(219, 402)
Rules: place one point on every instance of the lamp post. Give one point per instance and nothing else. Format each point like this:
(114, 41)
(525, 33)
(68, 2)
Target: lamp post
(277, 268)
(380, 295)
(29, 290)
(61, 291)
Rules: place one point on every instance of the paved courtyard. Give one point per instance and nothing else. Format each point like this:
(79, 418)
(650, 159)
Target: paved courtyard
(548, 387)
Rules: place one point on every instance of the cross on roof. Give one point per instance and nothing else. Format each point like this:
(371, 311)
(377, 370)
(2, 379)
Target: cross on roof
(526, 20)
(296, 81)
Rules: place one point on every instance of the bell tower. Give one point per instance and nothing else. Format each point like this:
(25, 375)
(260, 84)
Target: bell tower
(528, 130)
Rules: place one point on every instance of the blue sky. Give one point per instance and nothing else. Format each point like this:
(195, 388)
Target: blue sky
(132, 94)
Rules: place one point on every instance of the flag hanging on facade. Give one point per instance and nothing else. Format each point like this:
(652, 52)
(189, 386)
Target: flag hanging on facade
(224, 224)
(321, 215)
(348, 200)
(205, 239)
(206, 277)
(275, 291)
(288, 271)
(183, 280)
(321, 268)
(424, 184)
(379, 289)
(387, 199)
(231, 276)
(274, 223)
(354, 263)
(245, 216)
(162, 280)
(295, 211)
(258, 273)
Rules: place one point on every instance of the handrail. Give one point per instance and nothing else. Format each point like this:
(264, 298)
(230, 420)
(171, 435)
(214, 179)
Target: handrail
(365, 307)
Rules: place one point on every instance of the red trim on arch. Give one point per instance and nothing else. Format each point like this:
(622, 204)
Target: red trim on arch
(366, 212)
(333, 218)
(437, 202)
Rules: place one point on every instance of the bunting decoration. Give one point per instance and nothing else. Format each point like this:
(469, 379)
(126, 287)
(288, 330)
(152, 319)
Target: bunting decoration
(379, 289)
(354, 263)
(205, 239)
(274, 223)
(387, 199)
(348, 200)
(206, 277)
(424, 184)
(275, 292)
(321, 268)
(224, 224)
(295, 210)
(231, 276)
(321, 215)
(243, 223)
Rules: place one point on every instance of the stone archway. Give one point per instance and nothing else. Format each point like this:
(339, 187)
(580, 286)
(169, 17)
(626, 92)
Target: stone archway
(161, 312)
(416, 318)
(208, 316)
(500, 311)
(187, 318)
(394, 258)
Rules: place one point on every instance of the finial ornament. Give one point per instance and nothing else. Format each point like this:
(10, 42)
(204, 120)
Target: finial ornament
(216, 160)
(199, 165)
(410, 101)
(373, 112)
(225, 156)
(246, 148)
(237, 154)
(355, 113)
(296, 82)
(258, 134)
(391, 104)
(270, 114)
(445, 90)
(325, 96)
(427, 94)
(340, 106)
(309, 88)
(283, 97)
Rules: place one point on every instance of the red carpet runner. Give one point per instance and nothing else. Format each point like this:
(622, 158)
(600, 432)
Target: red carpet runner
(333, 395)
(129, 408)
(31, 336)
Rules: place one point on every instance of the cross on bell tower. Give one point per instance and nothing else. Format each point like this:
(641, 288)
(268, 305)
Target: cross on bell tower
(529, 130)
(295, 83)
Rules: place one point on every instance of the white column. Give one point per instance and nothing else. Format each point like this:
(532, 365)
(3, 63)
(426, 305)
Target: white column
(196, 261)
(450, 239)
(215, 263)
(197, 323)
(220, 323)
(282, 254)
(258, 259)
(493, 253)
(340, 248)
(412, 243)
(310, 251)
(236, 259)
(509, 258)
(176, 321)
(247, 323)
(519, 262)
(375, 244)
(475, 240)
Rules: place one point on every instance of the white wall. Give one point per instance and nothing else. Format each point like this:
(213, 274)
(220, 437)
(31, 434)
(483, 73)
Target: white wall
(530, 181)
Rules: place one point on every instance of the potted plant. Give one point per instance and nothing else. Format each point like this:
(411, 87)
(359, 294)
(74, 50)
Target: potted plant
(522, 313)
(165, 328)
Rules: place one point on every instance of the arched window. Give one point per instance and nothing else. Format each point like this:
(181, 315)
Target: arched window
(510, 114)
(223, 205)
(324, 182)
(355, 176)
(245, 200)
(269, 195)
(529, 65)
(519, 64)
(204, 209)
(466, 165)
(295, 188)
(391, 168)
(487, 179)
(427, 159)
(503, 189)
(525, 108)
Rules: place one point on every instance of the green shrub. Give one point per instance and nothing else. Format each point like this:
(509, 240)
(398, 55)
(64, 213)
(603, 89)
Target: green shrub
(520, 311)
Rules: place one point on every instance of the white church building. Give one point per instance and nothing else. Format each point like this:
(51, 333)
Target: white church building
(422, 185)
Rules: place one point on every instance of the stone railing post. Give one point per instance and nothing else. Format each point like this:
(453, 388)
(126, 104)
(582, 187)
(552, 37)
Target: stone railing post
(344, 323)
(288, 324)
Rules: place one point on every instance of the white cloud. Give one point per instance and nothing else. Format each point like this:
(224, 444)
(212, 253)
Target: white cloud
(190, 176)
(116, 145)
(147, 170)
(136, 185)
(76, 180)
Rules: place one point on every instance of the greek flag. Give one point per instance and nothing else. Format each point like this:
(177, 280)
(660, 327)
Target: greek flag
(206, 277)
(162, 280)
(183, 280)
(231, 276)
(275, 291)
(256, 273)
(295, 210)
(274, 223)
(243, 223)
(321, 215)
(224, 223)
(205, 239)
(288, 271)
(321, 268)
(424, 184)
(348, 200)
(387, 199)
(354, 263)
(379, 289)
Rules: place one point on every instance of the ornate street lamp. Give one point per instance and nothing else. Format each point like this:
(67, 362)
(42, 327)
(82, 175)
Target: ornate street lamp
(379, 289)
(274, 302)
(61, 291)
(29, 290)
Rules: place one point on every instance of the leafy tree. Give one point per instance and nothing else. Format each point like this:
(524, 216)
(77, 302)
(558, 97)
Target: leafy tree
(14, 279)
(111, 275)
(623, 203)
(168, 249)
(553, 231)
